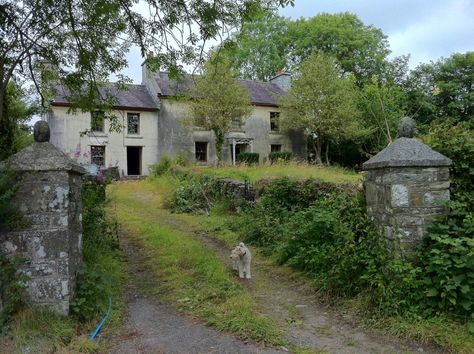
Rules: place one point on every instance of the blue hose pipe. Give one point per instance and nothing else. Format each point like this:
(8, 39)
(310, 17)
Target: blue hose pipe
(94, 334)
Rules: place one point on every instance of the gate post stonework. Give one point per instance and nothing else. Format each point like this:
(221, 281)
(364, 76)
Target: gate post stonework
(407, 186)
(49, 197)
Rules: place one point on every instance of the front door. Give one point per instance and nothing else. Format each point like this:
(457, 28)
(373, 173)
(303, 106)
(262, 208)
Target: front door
(134, 160)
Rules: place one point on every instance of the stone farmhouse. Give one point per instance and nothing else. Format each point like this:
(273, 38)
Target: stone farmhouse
(153, 126)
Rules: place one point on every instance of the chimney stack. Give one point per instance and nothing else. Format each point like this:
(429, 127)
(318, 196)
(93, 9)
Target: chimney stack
(282, 79)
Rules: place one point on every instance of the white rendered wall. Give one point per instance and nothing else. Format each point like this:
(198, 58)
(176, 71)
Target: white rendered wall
(65, 134)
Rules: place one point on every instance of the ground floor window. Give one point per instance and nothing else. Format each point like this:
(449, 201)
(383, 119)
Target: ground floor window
(275, 148)
(200, 151)
(98, 155)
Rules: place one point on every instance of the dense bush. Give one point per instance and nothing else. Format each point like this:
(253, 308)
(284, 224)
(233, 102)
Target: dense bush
(447, 256)
(248, 158)
(181, 159)
(11, 288)
(10, 217)
(196, 194)
(98, 277)
(280, 156)
(323, 230)
(160, 168)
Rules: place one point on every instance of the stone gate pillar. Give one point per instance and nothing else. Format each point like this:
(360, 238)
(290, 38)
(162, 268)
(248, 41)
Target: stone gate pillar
(49, 197)
(407, 186)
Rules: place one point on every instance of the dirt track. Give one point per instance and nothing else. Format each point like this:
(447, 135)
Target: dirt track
(152, 327)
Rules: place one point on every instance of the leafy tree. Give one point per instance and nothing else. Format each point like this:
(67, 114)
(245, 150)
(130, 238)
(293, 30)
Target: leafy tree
(358, 48)
(218, 100)
(15, 132)
(88, 40)
(382, 104)
(261, 47)
(443, 89)
(322, 101)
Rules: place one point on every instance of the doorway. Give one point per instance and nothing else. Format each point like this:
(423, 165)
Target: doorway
(134, 160)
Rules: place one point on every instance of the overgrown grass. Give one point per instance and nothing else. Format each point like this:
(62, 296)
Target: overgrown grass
(290, 169)
(191, 278)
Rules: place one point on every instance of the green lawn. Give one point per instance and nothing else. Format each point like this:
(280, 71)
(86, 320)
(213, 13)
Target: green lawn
(292, 169)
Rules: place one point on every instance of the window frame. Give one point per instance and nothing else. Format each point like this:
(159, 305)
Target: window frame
(274, 123)
(280, 147)
(130, 115)
(204, 151)
(94, 116)
(94, 157)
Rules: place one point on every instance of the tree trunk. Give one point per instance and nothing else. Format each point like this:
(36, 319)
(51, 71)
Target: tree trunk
(219, 144)
(7, 127)
(327, 153)
(317, 150)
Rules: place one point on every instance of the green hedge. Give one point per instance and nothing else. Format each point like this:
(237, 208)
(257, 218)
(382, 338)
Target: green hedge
(248, 157)
(280, 156)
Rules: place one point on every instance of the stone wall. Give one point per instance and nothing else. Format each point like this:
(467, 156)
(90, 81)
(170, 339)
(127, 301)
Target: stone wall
(49, 197)
(238, 189)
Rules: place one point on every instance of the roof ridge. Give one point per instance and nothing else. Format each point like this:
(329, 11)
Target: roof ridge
(239, 79)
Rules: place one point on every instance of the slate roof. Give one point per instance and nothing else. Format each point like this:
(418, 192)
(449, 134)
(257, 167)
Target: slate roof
(261, 93)
(406, 152)
(136, 97)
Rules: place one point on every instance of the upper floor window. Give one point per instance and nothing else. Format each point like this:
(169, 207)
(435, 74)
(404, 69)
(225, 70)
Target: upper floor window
(236, 124)
(133, 123)
(274, 121)
(97, 121)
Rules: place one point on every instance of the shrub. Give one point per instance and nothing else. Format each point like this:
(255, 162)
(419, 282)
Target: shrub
(10, 217)
(196, 194)
(248, 158)
(181, 159)
(280, 156)
(11, 288)
(162, 167)
(447, 256)
(456, 142)
(98, 277)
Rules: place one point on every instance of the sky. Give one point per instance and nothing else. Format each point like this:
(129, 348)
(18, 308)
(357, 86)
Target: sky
(425, 29)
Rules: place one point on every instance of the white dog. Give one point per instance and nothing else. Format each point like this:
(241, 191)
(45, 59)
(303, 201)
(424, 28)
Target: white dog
(241, 259)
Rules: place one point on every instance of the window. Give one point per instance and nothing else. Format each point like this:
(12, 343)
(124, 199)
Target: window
(98, 155)
(97, 122)
(201, 151)
(236, 124)
(275, 148)
(133, 123)
(274, 117)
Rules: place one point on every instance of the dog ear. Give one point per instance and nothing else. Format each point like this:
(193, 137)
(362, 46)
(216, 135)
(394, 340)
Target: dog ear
(241, 244)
